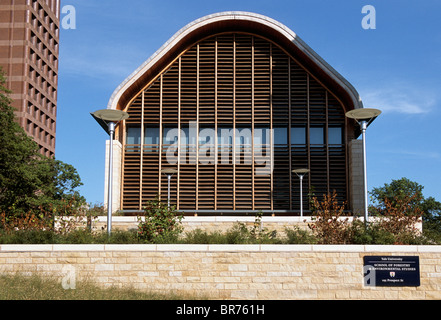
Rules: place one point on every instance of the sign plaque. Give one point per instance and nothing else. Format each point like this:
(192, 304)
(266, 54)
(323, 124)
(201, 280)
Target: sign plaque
(391, 271)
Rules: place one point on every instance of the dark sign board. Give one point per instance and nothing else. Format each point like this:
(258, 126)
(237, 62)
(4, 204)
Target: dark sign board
(391, 271)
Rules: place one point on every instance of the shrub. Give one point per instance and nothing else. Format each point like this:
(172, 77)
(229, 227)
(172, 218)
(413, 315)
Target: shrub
(199, 236)
(329, 226)
(160, 223)
(296, 235)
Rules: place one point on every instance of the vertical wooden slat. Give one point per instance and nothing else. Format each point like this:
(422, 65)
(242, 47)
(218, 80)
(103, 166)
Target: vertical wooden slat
(251, 84)
(197, 128)
(308, 126)
(327, 145)
(289, 133)
(215, 121)
(234, 122)
(141, 150)
(252, 127)
(161, 94)
(271, 124)
(178, 174)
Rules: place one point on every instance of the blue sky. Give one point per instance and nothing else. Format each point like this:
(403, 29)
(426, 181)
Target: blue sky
(395, 67)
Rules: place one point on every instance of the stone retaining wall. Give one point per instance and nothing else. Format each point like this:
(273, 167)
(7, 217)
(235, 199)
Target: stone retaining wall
(228, 271)
(222, 223)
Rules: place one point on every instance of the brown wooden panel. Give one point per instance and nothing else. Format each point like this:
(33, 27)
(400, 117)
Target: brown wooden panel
(253, 84)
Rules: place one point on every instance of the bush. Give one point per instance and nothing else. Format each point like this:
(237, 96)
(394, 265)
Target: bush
(160, 223)
(329, 226)
(296, 235)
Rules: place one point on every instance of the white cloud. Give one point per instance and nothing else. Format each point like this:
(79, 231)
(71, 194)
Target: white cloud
(399, 98)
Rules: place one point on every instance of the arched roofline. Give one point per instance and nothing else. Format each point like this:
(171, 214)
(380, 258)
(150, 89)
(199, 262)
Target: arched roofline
(235, 21)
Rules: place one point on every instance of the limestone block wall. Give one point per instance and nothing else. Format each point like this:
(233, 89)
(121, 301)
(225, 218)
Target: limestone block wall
(223, 223)
(116, 175)
(228, 271)
(211, 223)
(356, 187)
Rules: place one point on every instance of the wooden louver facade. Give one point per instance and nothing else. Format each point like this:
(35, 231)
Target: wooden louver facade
(233, 81)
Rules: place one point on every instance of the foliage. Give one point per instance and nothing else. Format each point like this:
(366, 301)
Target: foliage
(295, 235)
(401, 191)
(160, 223)
(400, 216)
(329, 225)
(29, 182)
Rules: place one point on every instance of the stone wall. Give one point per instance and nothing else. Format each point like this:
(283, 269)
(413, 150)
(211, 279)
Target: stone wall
(223, 223)
(211, 223)
(228, 271)
(356, 181)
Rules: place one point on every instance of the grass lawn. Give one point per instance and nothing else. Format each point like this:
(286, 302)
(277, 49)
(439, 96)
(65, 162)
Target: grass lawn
(19, 287)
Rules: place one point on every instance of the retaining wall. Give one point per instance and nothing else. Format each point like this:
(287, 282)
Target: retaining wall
(222, 223)
(228, 271)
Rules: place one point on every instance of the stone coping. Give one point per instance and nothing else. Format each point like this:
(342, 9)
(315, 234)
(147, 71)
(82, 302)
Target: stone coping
(219, 248)
(223, 218)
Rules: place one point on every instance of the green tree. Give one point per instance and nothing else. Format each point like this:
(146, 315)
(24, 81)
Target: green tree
(394, 193)
(28, 180)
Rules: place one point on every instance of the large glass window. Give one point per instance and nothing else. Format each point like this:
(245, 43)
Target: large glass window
(335, 135)
(280, 135)
(261, 136)
(316, 135)
(298, 135)
(170, 135)
(206, 135)
(151, 136)
(133, 135)
(224, 136)
(243, 136)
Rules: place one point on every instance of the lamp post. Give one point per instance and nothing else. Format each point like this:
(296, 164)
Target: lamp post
(301, 173)
(110, 118)
(169, 173)
(364, 117)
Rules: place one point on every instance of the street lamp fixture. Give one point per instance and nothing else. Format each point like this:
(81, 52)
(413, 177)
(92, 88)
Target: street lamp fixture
(109, 119)
(301, 173)
(364, 117)
(169, 173)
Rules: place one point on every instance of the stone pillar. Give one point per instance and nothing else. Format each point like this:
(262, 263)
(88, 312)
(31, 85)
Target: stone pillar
(117, 178)
(356, 189)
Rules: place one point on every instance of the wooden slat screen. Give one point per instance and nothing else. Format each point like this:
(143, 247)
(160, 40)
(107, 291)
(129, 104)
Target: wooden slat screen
(243, 82)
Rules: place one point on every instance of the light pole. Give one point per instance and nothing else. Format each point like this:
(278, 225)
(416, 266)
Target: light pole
(364, 117)
(109, 119)
(169, 173)
(301, 173)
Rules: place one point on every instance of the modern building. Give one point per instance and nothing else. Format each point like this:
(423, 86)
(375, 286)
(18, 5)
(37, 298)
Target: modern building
(29, 47)
(234, 102)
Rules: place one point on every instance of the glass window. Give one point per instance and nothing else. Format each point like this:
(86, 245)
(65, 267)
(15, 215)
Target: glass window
(151, 135)
(188, 136)
(225, 136)
(280, 135)
(298, 135)
(316, 135)
(261, 136)
(335, 135)
(170, 135)
(133, 135)
(206, 135)
(243, 136)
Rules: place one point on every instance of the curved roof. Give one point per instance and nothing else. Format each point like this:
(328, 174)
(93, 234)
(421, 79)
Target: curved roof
(235, 21)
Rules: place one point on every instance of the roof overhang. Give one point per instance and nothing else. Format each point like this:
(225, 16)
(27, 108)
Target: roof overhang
(235, 21)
